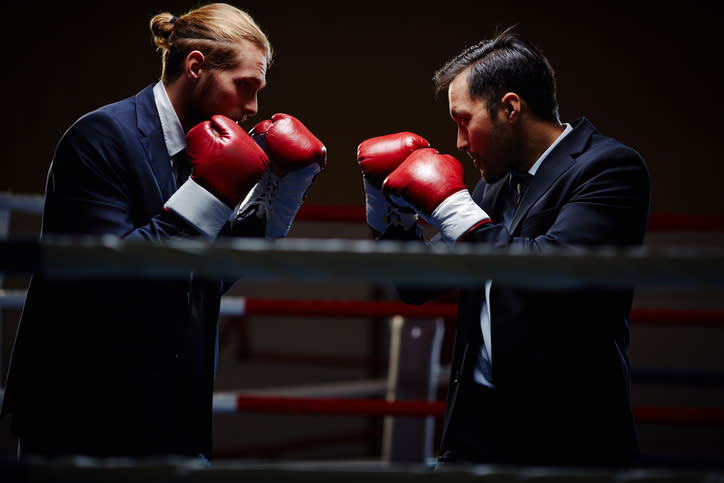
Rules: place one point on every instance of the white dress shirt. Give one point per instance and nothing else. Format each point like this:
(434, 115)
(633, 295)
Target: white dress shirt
(483, 372)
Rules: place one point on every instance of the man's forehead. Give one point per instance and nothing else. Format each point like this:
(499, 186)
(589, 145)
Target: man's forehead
(458, 98)
(458, 87)
(252, 61)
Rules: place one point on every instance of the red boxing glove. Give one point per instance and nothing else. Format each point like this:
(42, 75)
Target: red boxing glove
(289, 144)
(226, 163)
(297, 156)
(224, 159)
(432, 184)
(378, 157)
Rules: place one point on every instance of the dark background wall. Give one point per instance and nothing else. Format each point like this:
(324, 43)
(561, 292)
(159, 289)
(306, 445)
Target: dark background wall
(647, 73)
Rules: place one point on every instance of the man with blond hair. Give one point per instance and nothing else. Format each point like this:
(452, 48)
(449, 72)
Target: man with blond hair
(125, 367)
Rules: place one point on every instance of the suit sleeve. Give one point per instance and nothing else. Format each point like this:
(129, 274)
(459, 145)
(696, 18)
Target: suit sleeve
(100, 183)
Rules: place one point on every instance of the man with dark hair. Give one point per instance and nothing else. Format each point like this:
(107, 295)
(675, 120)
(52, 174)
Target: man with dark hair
(538, 376)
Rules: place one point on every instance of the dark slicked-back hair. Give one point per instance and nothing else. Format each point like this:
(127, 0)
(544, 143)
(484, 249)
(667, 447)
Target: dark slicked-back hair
(505, 64)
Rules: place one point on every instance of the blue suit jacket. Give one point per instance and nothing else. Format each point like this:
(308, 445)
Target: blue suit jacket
(559, 360)
(108, 366)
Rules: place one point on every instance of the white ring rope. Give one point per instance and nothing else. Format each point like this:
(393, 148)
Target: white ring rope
(355, 260)
(12, 299)
(225, 401)
(363, 261)
(30, 204)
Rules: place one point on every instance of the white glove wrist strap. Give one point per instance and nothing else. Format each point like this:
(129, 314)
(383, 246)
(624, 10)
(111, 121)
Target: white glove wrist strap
(288, 197)
(381, 214)
(282, 198)
(456, 215)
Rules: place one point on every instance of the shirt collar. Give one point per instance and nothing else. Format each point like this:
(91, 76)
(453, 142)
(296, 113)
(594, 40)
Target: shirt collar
(533, 169)
(173, 132)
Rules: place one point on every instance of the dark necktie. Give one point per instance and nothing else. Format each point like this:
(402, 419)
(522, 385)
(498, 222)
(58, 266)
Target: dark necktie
(518, 184)
(181, 167)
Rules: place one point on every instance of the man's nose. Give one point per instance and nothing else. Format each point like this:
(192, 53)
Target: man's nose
(462, 141)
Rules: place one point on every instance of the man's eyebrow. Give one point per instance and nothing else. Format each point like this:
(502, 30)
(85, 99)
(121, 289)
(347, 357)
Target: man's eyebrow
(259, 82)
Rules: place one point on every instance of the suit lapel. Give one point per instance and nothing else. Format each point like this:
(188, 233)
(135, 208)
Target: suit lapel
(149, 126)
(558, 162)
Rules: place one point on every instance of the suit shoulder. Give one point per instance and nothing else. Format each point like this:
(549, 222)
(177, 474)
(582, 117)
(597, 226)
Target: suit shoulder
(610, 151)
(112, 124)
(99, 135)
(117, 114)
(588, 144)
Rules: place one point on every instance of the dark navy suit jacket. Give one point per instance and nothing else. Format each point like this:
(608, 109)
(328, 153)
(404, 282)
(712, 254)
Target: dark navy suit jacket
(559, 357)
(108, 366)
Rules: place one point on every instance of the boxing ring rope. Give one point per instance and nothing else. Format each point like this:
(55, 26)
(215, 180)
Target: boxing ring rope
(245, 402)
(385, 262)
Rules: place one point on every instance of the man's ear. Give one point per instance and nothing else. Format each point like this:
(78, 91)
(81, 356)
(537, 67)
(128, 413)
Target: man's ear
(511, 104)
(194, 63)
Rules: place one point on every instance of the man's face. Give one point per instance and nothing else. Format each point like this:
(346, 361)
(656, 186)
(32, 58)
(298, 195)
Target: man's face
(486, 139)
(232, 92)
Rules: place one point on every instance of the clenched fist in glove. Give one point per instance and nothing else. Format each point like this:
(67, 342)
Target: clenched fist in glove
(226, 164)
(296, 157)
(432, 184)
(378, 157)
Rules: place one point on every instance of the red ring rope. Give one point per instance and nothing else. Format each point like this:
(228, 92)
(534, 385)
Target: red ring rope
(417, 408)
(380, 309)
(369, 407)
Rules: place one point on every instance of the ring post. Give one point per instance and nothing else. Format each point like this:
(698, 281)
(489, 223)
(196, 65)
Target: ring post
(413, 372)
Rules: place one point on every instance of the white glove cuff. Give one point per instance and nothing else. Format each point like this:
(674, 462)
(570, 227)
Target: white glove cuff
(455, 216)
(199, 208)
(288, 197)
(294, 185)
(381, 214)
